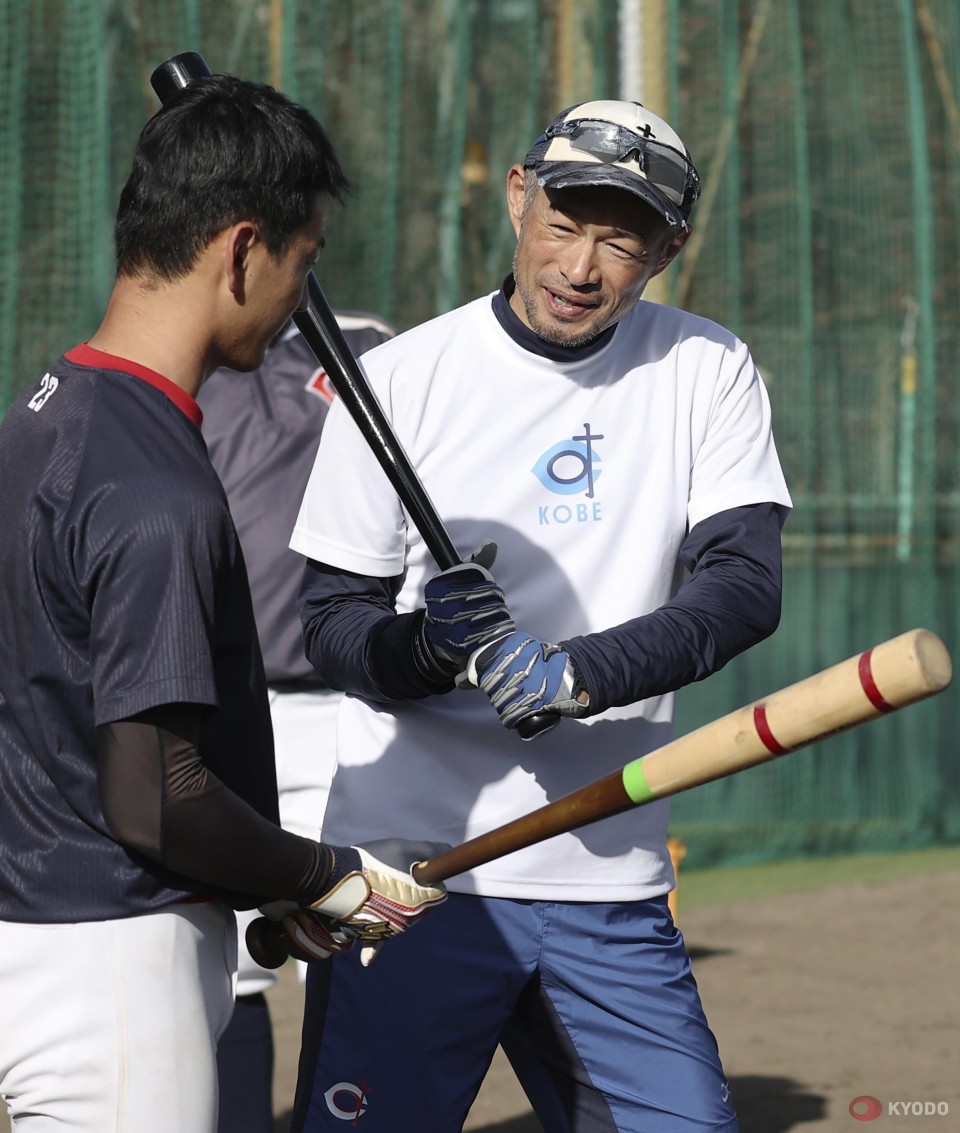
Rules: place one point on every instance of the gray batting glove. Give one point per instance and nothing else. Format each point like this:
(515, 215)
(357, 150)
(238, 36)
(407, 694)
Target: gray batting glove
(465, 608)
(523, 676)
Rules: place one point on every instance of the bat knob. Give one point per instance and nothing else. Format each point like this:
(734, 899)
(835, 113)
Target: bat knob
(532, 726)
(178, 72)
(265, 943)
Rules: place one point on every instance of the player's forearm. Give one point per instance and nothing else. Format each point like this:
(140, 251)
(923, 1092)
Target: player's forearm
(357, 642)
(160, 801)
(731, 602)
(220, 840)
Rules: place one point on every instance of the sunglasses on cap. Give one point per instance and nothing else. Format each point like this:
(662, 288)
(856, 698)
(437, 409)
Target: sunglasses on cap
(610, 143)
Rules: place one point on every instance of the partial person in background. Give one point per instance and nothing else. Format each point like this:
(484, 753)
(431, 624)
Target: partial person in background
(262, 431)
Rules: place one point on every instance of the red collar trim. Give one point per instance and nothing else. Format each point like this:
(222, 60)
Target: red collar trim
(86, 355)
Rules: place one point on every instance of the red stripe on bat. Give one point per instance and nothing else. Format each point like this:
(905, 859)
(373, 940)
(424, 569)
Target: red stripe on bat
(874, 695)
(767, 737)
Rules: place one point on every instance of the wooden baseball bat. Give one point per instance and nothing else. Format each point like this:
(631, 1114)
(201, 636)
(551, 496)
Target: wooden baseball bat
(322, 333)
(890, 676)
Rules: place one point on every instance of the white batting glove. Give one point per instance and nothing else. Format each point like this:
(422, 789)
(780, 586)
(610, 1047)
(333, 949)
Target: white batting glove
(373, 895)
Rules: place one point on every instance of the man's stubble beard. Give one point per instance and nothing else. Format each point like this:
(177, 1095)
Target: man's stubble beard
(551, 334)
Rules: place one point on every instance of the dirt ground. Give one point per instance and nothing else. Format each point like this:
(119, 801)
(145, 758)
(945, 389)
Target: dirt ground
(817, 999)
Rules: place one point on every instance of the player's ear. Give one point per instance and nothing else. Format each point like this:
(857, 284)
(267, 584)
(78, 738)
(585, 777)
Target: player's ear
(239, 239)
(671, 251)
(516, 195)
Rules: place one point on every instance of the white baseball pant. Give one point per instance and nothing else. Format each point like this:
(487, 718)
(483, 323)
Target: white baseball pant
(111, 1026)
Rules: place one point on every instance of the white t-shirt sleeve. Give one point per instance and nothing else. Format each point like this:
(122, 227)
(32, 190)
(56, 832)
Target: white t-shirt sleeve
(736, 463)
(350, 516)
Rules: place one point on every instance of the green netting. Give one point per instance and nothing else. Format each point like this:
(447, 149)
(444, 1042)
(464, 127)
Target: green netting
(828, 139)
(831, 247)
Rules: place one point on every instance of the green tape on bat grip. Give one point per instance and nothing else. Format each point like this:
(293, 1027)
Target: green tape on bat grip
(635, 783)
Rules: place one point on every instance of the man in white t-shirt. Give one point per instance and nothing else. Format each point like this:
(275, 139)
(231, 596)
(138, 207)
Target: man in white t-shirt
(605, 445)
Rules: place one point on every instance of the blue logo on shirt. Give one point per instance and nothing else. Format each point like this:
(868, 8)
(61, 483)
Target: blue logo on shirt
(567, 467)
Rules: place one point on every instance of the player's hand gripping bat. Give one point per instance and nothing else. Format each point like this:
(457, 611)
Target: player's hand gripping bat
(892, 675)
(323, 335)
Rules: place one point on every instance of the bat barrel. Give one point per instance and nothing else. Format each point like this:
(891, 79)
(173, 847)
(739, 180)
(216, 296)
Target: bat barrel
(892, 675)
(909, 668)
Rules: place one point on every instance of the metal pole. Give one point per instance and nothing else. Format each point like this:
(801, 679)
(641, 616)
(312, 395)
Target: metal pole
(629, 37)
(651, 24)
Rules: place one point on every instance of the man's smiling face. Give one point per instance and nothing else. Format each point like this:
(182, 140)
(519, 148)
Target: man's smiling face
(583, 257)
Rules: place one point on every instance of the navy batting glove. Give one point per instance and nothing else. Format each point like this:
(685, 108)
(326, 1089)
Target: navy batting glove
(523, 676)
(465, 609)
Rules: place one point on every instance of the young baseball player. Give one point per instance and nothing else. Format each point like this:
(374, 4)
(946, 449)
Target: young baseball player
(261, 434)
(138, 798)
(606, 445)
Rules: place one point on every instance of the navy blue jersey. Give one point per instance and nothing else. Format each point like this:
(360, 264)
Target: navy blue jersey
(122, 587)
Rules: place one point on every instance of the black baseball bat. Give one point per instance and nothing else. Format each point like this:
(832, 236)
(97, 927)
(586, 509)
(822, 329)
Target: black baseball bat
(323, 335)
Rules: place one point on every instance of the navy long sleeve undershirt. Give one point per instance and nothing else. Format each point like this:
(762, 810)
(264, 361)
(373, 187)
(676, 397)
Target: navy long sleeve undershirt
(730, 602)
(160, 800)
(358, 643)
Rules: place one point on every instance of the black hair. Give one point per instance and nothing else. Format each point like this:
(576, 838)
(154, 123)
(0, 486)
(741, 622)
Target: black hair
(221, 150)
